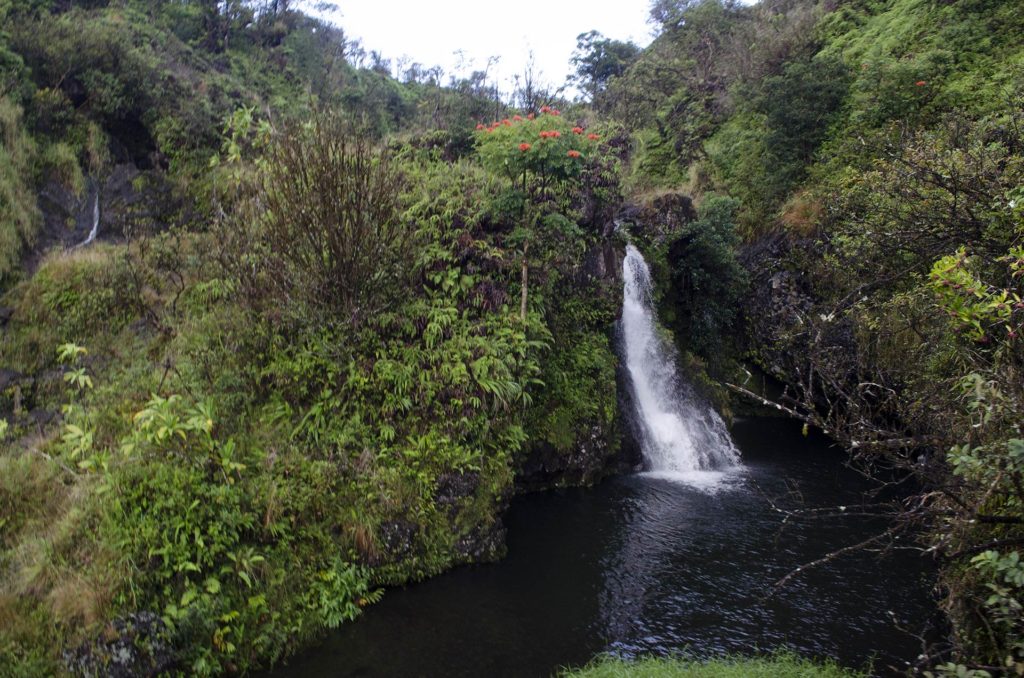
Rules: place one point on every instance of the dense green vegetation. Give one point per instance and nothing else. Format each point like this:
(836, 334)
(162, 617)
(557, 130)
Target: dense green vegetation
(323, 333)
(335, 318)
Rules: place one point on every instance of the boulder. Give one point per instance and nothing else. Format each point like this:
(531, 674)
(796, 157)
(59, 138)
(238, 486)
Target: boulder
(138, 644)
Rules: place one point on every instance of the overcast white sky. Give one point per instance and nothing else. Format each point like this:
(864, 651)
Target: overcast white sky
(430, 32)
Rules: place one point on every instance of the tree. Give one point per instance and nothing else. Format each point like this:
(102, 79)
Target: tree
(708, 280)
(598, 59)
(799, 105)
(669, 14)
(539, 154)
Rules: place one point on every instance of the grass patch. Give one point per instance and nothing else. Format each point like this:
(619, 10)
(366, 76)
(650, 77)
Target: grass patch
(781, 665)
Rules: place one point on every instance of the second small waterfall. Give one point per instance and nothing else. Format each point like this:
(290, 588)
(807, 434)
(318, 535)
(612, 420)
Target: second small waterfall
(95, 221)
(678, 434)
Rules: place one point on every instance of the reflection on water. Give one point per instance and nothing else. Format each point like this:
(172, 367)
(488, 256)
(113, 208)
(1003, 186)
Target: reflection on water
(646, 564)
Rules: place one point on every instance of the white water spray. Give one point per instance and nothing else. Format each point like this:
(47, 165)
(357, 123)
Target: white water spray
(95, 221)
(678, 434)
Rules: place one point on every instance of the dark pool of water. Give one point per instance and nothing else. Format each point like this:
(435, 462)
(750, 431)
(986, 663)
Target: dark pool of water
(642, 565)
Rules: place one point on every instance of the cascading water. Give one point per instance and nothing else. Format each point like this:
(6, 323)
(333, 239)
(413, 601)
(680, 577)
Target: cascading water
(95, 221)
(678, 435)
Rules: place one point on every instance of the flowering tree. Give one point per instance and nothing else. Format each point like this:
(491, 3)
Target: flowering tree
(537, 153)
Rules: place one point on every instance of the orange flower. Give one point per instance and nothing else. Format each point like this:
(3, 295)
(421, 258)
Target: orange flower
(577, 130)
(545, 109)
(517, 118)
(920, 83)
(480, 126)
(530, 116)
(554, 134)
(524, 147)
(555, 111)
(593, 137)
(574, 154)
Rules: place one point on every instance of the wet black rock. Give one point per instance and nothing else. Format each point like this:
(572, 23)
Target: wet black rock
(9, 378)
(595, 455)
(482, 545)
(778, 306)
(485, 542)
(603, 262)
(136, 645)
(661, 218)
(42, 418)
(453, 488)
(397, 538)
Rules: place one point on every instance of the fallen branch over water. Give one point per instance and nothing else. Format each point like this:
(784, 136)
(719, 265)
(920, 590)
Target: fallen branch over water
(894, 443)
(829, 557)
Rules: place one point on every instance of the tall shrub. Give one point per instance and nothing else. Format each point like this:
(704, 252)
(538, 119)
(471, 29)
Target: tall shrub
(335, 239)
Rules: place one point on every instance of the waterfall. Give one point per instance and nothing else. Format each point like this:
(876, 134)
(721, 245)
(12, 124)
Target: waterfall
(678, 434)
(95, 221)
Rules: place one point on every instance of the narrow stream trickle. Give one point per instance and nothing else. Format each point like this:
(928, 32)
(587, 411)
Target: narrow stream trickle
(95, 221)
(679, 436)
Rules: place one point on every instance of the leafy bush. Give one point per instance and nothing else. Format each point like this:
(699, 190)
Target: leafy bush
(799, 105)
(741, 162)
(60, 164)
(576, 397)
(72, 298)
(708, 281)
(19, 215)
(333, 233)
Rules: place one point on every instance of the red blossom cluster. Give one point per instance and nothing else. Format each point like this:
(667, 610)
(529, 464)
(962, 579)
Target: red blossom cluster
(543, 134)
(544, 110)
(920, 83)
(495, 125)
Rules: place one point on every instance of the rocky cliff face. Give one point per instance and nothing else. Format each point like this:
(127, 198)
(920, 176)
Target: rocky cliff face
(596, 454)
(661, 218)
(779, 302)
(128, 201)
(599, 445)
(791, 331)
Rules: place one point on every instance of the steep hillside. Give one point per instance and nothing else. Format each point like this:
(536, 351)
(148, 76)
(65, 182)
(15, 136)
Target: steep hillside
(324, 330)
(876, 151)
